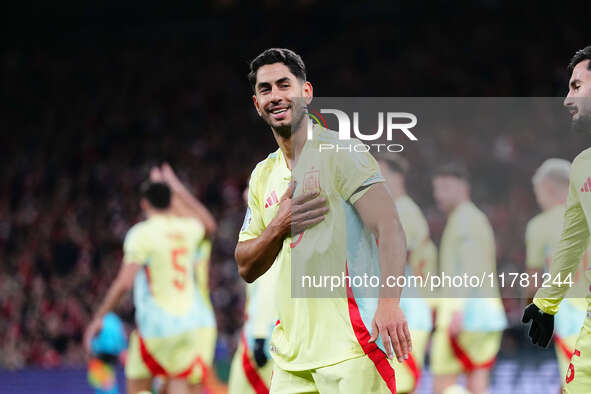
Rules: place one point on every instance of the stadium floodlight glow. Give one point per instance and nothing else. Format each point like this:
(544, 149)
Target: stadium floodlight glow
(344, 128)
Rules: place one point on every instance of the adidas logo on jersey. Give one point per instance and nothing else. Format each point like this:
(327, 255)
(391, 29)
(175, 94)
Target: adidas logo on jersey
(271, 200)
(586, 186)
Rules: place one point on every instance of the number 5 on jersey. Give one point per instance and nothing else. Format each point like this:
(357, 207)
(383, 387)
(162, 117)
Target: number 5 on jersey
(181, 271)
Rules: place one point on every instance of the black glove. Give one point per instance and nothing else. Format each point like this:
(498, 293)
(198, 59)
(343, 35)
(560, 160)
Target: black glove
(260, 357)
(542, 326)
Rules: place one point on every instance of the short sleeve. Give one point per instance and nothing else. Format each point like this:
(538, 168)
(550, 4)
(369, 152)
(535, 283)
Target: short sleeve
(253, 225)
(355, 172)
(135, 248)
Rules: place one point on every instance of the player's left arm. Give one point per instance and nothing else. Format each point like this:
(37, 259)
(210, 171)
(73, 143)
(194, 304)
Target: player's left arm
(568, 254)
(376, 209)
(120, 286)
(565, 260)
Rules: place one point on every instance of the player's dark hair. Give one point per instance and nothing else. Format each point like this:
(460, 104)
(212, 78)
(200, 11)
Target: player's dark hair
(292, 60)
(157, 193)
(395, 162)
(455, 169)
(578, 57)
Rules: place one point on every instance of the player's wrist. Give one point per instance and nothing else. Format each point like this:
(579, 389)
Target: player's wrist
(277, 229)
(179, 189)
(388, 301)
(389, 294)
(97, 317)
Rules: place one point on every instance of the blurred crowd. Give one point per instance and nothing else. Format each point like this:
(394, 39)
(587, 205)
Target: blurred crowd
(87, 113)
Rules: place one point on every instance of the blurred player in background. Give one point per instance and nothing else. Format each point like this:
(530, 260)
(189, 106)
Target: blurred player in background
(158, 264)
(252, 365)
(184, 204)
(542, 235)
(320, 344)
(208, 380)
(422, 258)
(468, 331)
(574, 239)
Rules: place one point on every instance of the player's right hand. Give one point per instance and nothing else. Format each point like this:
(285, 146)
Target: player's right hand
(297, 214)
(389, 322)
(542, 326)
(93, 329)
(156, 175)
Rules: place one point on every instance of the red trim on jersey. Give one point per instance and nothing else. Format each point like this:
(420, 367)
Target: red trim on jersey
(414, 369)
(562, 345)
(156, 369)
(376, 355)
(256, 381)
(570, 374)
(294, 244)
(466, 361)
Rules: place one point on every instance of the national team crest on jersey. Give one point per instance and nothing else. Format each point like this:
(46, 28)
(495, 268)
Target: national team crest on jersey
(586, 188)
(312, 181)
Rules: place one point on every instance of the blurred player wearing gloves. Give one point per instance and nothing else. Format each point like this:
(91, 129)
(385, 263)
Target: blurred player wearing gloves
(320, 345)
(252, 364)
(468, 331)
(574, 239)
(422, 258)
(542, 235)
(158, 264)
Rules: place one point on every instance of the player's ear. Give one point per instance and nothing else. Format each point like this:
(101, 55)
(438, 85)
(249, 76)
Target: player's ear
(144, 204)
(467, 188)
(308, 92)
(256, 104)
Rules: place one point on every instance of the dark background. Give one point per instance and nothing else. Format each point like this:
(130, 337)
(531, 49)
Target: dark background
(93, 95)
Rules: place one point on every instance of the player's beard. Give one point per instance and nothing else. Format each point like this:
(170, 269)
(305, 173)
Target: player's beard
(298, 113)
(582, 124)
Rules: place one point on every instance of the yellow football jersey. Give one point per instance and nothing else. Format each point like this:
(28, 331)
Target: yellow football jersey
(164, 290)
(468, 246)
(315, 332)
